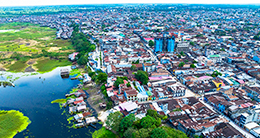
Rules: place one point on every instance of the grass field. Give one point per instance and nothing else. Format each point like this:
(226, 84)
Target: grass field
(18, 66)
(49, 64)
(30, 40)
(12, 122)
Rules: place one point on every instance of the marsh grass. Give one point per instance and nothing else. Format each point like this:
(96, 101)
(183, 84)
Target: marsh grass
(46, 65)
(12, 122)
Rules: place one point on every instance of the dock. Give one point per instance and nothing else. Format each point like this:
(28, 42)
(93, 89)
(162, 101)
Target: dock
(91, 120)
(64, 73)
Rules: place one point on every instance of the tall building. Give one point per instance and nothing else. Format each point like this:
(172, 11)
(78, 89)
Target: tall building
(158, 44)
(170, 44)
(165, 43)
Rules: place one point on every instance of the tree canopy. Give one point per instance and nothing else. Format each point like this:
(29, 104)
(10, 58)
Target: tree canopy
(192, 66)
(126, 122)
(133, 67)
(151, 43)
(181, 64)
(113, 120)
(102, 77)
(118, 81)
(159, 133)
(142, 76)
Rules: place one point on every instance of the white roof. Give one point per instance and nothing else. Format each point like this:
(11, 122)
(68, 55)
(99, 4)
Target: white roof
(157, 108)
(128, 106)
(81, 108)
(256, 130)
(251, 125)
(79, 99)
(109, 94)
(140, 116)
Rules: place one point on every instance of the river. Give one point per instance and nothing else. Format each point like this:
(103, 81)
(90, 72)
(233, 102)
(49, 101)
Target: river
(33, 95)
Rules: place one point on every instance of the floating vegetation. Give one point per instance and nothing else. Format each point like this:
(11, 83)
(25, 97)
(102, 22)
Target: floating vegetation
(70, 119)
(6, 83)
(12, 122)
(59, 101)
(75, 72)
(74, 90)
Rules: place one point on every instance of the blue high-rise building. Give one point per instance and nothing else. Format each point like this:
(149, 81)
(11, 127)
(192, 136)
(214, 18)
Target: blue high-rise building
(158, 44)
(170, 44)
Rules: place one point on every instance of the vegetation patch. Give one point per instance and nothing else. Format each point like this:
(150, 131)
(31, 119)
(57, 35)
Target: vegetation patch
(103, 133)
(49, 64)
(18, 66)
(75, 72)
(30, 41)
(12, 122)
(59, 101)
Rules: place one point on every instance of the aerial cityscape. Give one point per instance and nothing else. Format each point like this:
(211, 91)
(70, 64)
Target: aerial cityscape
(130, 71)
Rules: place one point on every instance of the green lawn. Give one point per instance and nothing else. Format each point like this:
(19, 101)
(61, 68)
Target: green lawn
(12, 122)
(103, 133)
(49, 64)
(18, 66)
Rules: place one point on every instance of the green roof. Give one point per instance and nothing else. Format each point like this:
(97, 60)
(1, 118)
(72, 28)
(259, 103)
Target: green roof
(212, 56)
(149, 93)
(234, 82)
(122, 35)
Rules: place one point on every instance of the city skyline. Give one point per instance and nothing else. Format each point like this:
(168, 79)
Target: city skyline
(76, 2)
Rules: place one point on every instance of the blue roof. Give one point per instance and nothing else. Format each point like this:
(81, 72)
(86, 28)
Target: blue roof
(109, 69)
(160, 94)
(123, 66)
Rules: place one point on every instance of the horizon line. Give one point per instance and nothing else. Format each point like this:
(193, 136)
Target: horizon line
(245, 4)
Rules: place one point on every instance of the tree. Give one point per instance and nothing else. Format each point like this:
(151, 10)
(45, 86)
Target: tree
(113, 120)
(182, 53)
(181, 64)
(142, 76)
(143, 133)
(194, 61)
(102, 77)
(174, 133)
(151, 43)
(152, 113)
(126, 122)
(192, 66)
(186, 60)
(128, 84)
(103, 133)
(148, 122)
(159, 133)
(133, 67)
(129, 133)
(83, 60)
(95, 40)
(118, 81)
(216, 73)
(192, 43)
(109, 104)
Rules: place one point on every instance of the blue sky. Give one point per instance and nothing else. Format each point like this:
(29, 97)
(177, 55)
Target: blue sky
(66, 2)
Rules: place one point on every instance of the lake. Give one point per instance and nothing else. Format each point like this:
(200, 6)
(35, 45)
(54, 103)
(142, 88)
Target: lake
(33, 95)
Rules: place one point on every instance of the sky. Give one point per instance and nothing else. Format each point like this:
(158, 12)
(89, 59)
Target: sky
(71, 2)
